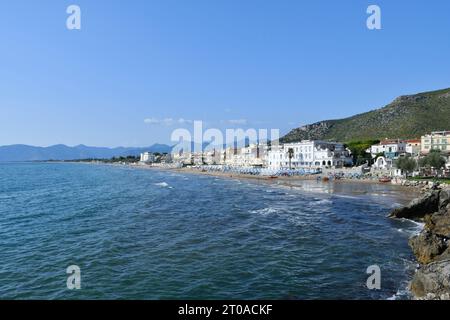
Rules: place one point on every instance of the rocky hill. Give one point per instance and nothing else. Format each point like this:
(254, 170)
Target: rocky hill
(406, 117)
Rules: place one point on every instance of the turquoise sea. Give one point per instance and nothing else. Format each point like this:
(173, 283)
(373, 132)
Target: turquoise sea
(149, 234)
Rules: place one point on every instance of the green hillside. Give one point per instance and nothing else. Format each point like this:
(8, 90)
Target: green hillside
(406, 117)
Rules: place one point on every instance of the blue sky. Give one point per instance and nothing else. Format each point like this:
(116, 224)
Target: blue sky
(247, 63)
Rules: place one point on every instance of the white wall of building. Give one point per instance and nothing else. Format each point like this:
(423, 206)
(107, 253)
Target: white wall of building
(391, 147)
(413, 148)
(147, 157)
(307, 154)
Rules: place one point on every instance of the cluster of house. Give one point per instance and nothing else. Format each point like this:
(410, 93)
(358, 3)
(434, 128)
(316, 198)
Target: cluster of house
(307, 154)
(389, 150)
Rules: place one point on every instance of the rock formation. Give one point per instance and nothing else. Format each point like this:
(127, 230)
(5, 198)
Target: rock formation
(432, 246)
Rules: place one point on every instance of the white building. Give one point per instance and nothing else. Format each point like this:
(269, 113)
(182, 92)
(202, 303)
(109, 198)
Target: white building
(147, 157)
(249, 156)
(307, 154)
(413, 147)
(212, 157)
(230, 156)
(439, 140)
(390, 148)
(254, 155)
(181, 157)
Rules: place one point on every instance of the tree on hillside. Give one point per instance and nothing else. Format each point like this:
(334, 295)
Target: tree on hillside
(433, 160)
(406, 164)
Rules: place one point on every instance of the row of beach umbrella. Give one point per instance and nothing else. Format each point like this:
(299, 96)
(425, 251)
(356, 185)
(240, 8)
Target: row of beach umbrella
(259, 171)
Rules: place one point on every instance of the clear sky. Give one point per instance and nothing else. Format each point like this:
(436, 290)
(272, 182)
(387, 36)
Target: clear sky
(248, 63)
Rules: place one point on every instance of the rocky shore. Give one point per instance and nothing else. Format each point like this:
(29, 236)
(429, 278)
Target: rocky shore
(431, 247)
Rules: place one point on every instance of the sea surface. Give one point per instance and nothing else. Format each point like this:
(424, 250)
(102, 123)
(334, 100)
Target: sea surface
(149, 234)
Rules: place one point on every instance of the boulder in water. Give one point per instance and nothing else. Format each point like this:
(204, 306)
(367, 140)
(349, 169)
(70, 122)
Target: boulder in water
(419, 208)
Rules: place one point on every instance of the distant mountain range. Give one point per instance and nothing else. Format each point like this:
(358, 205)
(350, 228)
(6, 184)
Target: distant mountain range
(62, 152)
(406, 117)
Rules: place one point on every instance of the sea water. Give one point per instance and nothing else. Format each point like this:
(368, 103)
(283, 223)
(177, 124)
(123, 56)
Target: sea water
(149, 234)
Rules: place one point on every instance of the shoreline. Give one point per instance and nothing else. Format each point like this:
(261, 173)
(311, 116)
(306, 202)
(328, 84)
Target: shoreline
(408, 192)
(268, 178)
(418, 186)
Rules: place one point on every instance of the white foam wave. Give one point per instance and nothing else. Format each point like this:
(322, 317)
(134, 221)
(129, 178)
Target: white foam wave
(265, 211)
(345, 196)
(163, 185)
(322, 202)
(401, 294)
(413, 228)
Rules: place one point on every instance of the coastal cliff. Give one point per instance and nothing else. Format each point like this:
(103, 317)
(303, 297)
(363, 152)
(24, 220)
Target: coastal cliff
(432, 246)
